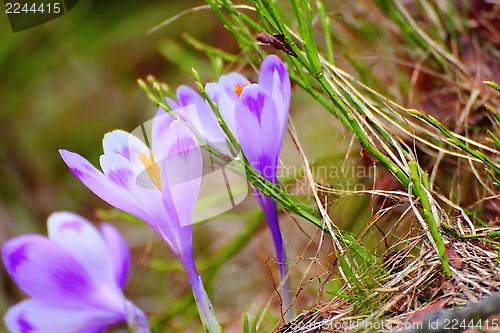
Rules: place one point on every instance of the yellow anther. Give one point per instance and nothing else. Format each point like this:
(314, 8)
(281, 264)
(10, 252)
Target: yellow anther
(152, 168)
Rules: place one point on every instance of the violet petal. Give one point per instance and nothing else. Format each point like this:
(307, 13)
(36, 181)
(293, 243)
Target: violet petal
(268, 80)
(257, 124)
(198, 114)
(98, 183)
(225, 105)
(119, 252)
(80, 238)
(230, 82)
(33, 316)
(60, 278)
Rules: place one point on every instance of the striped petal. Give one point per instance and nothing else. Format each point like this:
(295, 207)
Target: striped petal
(225, 105)
(101, 185)
(143, 196)
(182, 168)
(257, 124)
(197, 113)
(60, 279)
(80, 238)
(273, 77)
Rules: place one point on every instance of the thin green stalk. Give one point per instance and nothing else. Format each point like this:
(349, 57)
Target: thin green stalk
(429, 216)
(495, 138)
(240, 18)
(264, 16)
(314, 93)
(482, 236)
(492, 84)
(358, 131)
(305, 26)
(310, 46)
(455, 140)
(325, 23)
(210, 49)
(350, 274)
(493, 112)
(220, 119)
(353, 123)
(148, 91)
(228, 24)
(284, 31)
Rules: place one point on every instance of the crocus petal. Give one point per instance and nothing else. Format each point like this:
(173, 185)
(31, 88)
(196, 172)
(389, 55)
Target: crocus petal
(230, 82)
(48, 272)
(273, 77)
(136, 319)
(143, 197)
(119, 252)
(161, 125)
(225, 105)
(182, 168)
(188, 96)
(257, 124)
(34, 316)
(173, 105)
(98, 183)
(128, 146)
(123, 143)
(80, 238)
(197, 113)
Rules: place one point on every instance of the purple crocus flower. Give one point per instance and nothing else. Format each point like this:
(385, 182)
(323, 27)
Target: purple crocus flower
(74, 278)
(256, 114)
(158, 185)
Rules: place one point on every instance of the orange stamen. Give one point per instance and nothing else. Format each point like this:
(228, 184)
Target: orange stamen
(152, 168)
(238, 89)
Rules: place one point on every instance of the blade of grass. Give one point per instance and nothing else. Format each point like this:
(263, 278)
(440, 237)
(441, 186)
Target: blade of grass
(429, 215)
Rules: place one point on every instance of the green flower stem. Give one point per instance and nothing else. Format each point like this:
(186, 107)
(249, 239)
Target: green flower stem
(210, 49)
(240, 37)
(482, 236)
(495, 138)
(264, 16)
(284, 31)
(240, 18)
(430, 217)
(310, 45)
(493, 112)
(325, 23)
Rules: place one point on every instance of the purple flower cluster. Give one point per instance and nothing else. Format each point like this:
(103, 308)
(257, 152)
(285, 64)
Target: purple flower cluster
(257, 115)
(164, 197)
(74, 278)
(76, 275)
